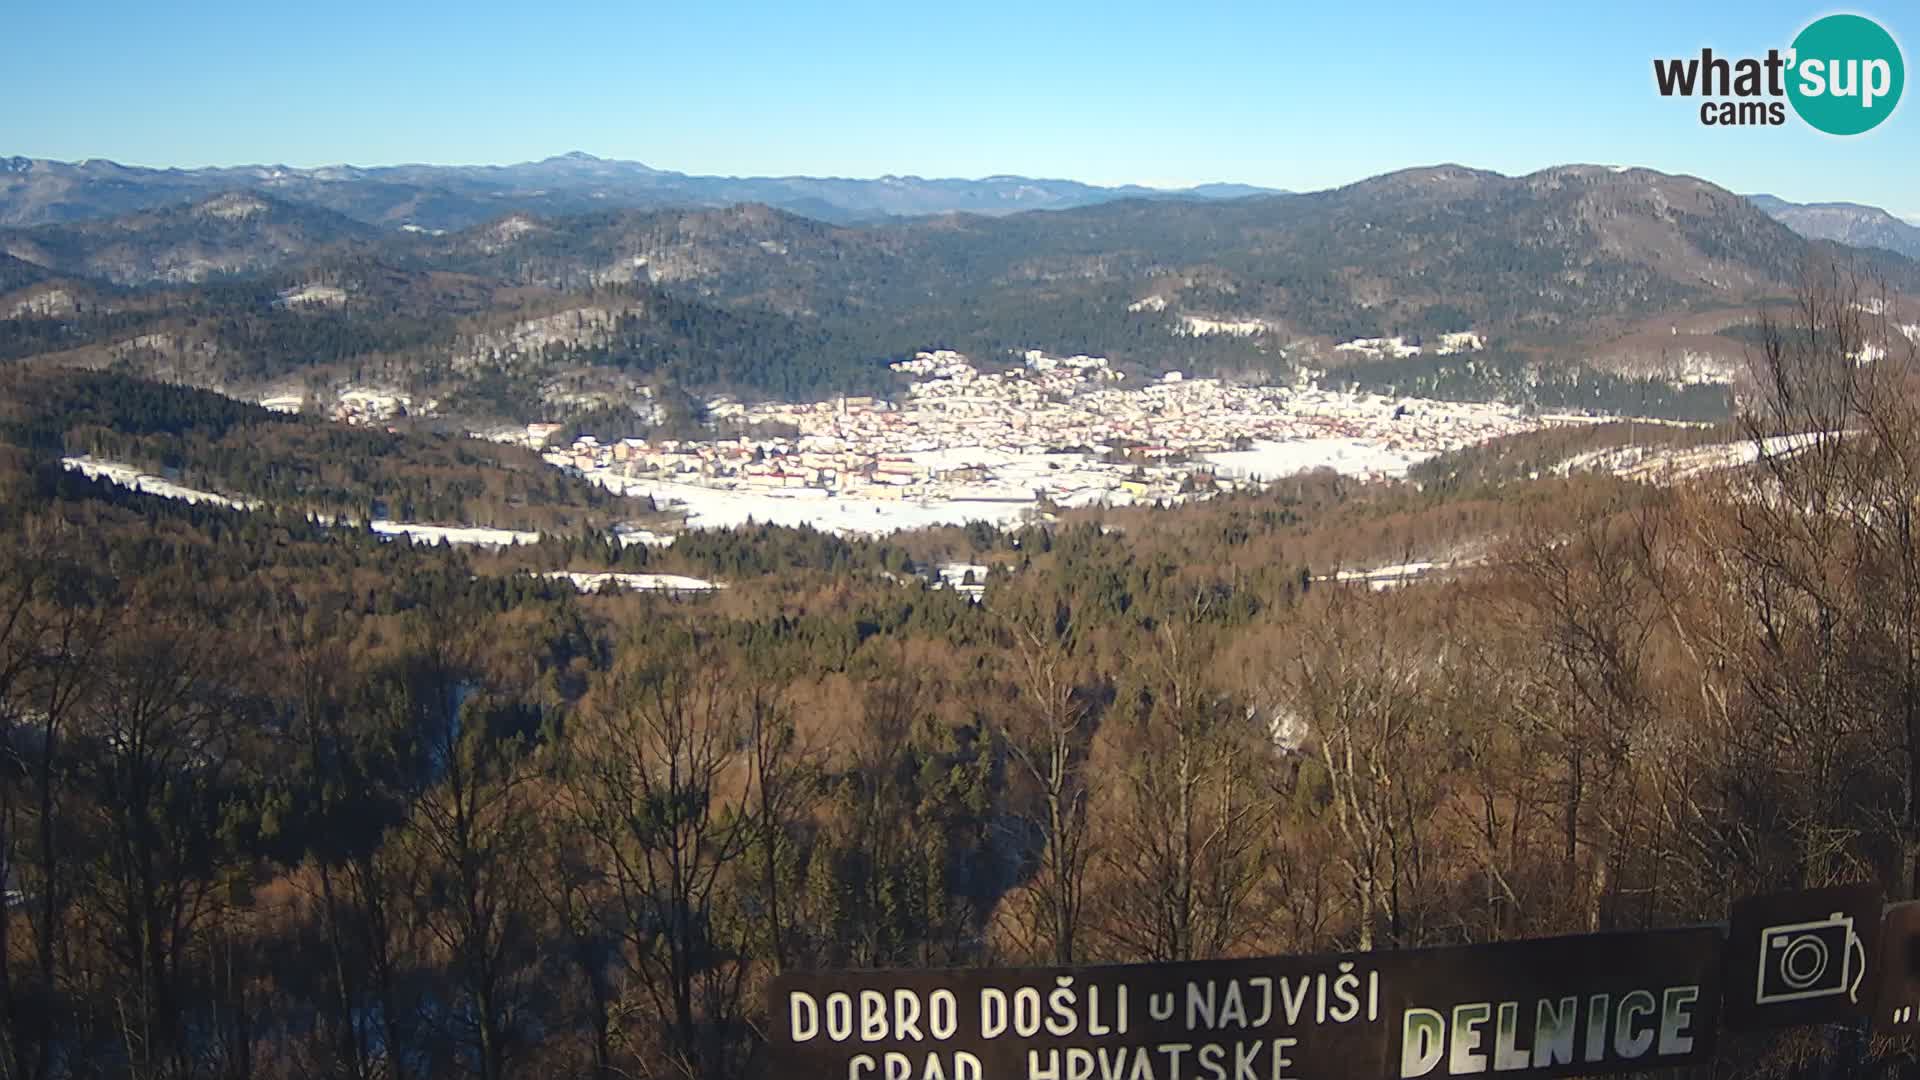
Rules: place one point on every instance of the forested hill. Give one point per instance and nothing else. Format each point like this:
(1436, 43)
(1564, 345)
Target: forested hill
(232, 233)
(1574, 266)
(294, 464)
(17, 273)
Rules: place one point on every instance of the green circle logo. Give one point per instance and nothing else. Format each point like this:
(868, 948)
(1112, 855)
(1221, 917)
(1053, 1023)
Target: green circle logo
(1847, 74)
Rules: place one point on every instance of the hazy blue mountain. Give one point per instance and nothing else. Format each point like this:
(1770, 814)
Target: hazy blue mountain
(1846, 223)
(442, 197)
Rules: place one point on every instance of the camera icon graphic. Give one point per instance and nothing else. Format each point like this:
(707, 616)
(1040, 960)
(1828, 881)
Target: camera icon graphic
(1818, 959)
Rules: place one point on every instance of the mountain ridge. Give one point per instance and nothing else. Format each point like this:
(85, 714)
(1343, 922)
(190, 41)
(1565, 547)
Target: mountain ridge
(1851, 223)
(38, 191)
(1580, 264)
(436, 198)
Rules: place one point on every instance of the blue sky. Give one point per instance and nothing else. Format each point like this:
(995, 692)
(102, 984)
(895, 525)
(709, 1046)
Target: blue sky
(1278, 93)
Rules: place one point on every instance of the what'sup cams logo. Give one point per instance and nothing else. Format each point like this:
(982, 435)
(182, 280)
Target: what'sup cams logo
(1843, 75)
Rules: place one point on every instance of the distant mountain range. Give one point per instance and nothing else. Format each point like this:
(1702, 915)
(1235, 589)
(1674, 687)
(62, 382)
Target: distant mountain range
(1418, 250)
(447, 197)
(1847, 223)
(254, 285)
(528, 313)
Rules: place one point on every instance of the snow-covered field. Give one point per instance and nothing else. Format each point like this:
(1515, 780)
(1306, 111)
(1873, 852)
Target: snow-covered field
(672, 583)
(647, 537)
(1349, 457)
(1386, 577)
(453, 534)
(715, 508)
(1068, 479)
(129, 477)
(1670, 464)
(954, 576)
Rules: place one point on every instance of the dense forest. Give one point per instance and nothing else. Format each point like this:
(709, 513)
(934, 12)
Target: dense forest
(1500, 375)
(297, 464)
(279, 800)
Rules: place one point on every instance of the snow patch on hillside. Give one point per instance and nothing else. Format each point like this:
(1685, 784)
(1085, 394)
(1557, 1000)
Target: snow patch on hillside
(133, 479)
(1671, 464)
(322, 295)
(1395, 347)
(573, 328)
(1199, 326)
(1386, 577)
(369, 405)
(1399, 348)
(161, 342)
(127, 476)
(1690, 369)
(506, 231)
(50, 304)
(233, 207)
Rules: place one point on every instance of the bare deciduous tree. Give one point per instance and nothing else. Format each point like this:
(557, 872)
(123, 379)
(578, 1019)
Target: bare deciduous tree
(1188, 812)
(1047, 733)
(655, 783)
